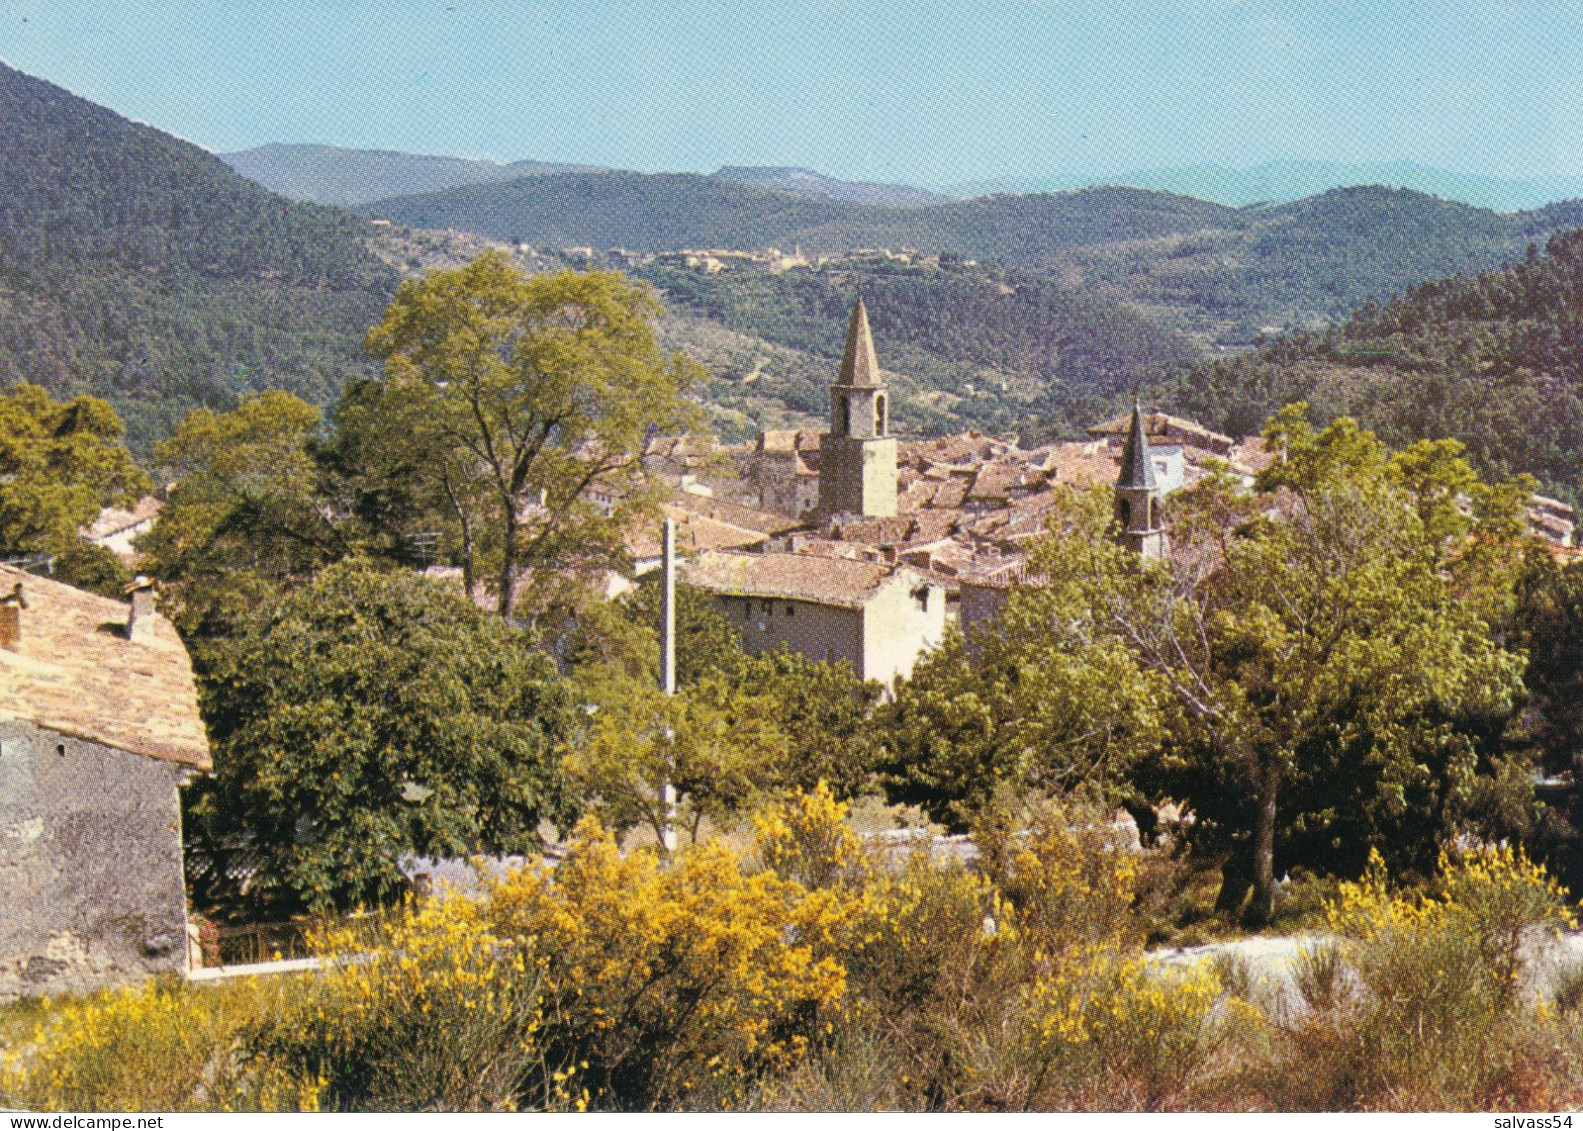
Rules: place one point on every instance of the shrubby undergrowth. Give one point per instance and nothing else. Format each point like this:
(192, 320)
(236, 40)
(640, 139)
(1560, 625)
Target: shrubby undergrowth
(808, 973)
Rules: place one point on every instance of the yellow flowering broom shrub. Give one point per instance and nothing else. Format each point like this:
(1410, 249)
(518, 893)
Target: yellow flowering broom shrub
(1433, 1014)
(425, 1009)
(1063, 867)
(808, 839)
(673, 984)
(1097, 1027)
(161, 1046)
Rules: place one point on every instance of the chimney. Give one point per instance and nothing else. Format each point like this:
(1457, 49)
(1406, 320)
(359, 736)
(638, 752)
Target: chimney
(140, 618)
(11, 606)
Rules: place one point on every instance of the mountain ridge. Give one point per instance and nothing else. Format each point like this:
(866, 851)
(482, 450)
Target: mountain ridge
(329, 174)
(1222, 274)
(1284, 181)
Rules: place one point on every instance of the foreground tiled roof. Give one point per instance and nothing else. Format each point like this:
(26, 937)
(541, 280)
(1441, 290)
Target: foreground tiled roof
(74, 671)
(799, 577)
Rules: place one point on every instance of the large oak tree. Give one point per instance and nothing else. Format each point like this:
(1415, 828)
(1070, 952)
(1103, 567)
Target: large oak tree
(512, 400)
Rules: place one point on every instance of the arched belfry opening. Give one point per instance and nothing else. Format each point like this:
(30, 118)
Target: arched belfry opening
(879, 414)
(843, 417)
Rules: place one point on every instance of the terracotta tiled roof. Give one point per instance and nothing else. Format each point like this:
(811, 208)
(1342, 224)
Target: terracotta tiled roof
(1249, 454)
(779, 440)
(998, 573)
(74, 671)
(798, 577)
(736, 514)
(1162, 424)
(1000, 478)
(963, 448)
(694, 533)
(1082, 464)
(950, 494)
(924, 526)
(832, 548)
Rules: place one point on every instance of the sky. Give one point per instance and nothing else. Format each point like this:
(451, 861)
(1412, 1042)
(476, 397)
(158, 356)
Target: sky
(934, 94)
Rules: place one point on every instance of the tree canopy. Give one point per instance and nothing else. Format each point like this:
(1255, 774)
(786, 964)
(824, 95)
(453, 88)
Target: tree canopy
(60, 463)
(1310, 671)
(521, 396)
(372, 717)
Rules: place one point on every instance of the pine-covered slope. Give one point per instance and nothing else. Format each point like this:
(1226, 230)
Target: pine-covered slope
(1217, 273)
(1494, 359)
(141, 268)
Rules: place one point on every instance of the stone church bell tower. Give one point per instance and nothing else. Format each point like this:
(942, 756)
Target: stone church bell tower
(857, 457)
(1138, 522)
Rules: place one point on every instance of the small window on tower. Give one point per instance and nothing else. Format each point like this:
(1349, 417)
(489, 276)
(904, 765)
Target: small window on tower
(1124, 512)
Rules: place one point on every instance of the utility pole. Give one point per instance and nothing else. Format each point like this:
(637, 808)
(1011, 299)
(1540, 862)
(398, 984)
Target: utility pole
(668, 670)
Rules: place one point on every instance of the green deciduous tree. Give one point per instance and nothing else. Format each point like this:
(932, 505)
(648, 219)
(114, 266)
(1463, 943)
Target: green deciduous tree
(59, 464)
(520, 395)
(717, 744)
(374, 715)
(1335, 686)
(1549, 626)
(793, 722)
(1311, 668)
(247, 513)
(1051, 697)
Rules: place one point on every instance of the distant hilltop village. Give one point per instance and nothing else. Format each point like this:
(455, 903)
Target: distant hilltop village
(852, 544)
(714, 260)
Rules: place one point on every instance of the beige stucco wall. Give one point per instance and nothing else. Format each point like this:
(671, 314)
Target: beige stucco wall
(881, 640)
(902, 621)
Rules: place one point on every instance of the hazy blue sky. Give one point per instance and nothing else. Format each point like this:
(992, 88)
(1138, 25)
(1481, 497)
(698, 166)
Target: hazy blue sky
(927, 93)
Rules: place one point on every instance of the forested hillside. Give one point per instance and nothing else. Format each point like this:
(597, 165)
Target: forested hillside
(1221, 275)
(1495, 360)
(661, 212)
(1001, 352)
(138, 267)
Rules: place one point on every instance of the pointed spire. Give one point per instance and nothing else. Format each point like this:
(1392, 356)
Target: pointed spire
(1137, 469)
(859, 366)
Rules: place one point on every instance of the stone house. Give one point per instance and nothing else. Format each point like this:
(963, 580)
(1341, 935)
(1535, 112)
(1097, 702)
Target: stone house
(99, 728)
(785, 471)
(878, 618)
